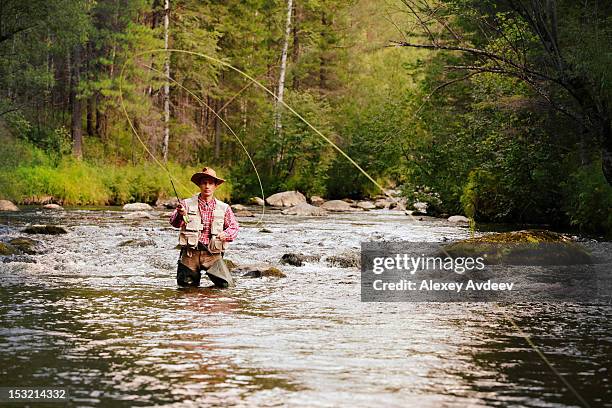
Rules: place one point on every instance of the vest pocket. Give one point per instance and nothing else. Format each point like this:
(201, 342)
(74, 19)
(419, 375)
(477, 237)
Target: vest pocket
(189, 238)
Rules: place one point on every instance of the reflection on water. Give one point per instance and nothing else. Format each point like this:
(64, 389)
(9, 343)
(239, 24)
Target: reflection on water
(109, 323)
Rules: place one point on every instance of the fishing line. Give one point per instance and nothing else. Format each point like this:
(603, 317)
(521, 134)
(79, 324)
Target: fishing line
(228, 126)
(259, 84)
(542, 356)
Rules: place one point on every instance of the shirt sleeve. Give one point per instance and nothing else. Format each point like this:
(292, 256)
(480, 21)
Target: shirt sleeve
(230, 225)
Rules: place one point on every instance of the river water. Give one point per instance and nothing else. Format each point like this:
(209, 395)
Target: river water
(109, 323)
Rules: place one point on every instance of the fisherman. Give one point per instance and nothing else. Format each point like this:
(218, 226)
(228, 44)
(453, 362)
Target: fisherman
(207, 225)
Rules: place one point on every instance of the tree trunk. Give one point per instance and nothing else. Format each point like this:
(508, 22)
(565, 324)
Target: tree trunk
(77, 110)
(281, 78)
(167, 82)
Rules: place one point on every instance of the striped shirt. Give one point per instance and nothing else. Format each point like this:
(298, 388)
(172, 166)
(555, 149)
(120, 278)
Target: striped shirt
(230, 225)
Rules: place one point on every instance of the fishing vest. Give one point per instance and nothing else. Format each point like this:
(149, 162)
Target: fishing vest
(189, 235)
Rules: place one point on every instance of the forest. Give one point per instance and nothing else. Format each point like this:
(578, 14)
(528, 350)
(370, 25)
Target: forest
(498, 110)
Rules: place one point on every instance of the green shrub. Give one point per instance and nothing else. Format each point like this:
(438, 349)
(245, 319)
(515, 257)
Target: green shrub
(588, 200)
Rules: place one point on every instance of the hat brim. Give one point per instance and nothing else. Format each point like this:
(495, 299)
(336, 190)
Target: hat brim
(197, 178)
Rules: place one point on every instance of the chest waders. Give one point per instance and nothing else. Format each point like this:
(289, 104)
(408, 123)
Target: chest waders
(189, 238)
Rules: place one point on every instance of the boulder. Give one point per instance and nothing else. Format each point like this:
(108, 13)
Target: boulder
(382, 203)
(137, 243)
(305, 209)
(169, 203)
(256, 201)
(298, 259)
(316, 200)
(260, 271)
(136, 215)
(526, 247)
(7, 249)
(337, 206)
(238, 207)
(6, 205)
(137, 207)
(53, 207)
(244, 213)
(45, 229)
(345, 260)
(286, 199)
(398, 203)
(459, 219)
(25, 245)
(366, 205)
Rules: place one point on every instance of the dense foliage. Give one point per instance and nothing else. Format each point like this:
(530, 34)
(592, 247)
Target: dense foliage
(467, 132)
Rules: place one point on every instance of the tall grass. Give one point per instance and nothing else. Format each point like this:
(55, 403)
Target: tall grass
(31, 174)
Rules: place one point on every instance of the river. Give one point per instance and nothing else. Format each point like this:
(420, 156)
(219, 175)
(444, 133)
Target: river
(109, 323)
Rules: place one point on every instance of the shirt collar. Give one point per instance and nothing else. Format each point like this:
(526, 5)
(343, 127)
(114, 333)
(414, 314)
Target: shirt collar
(209, 202)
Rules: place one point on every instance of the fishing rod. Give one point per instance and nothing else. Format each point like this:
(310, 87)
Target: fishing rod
(185, 217)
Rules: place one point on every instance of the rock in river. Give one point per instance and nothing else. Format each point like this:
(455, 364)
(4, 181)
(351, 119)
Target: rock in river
(137, 207)
(286, 199)
(304, 209)
(45, 229)
(260, 271)
(298, 259)
(53, 207)
(6, 205)
(25, 245)
(526, 247)
(136, 215)
(337, 206)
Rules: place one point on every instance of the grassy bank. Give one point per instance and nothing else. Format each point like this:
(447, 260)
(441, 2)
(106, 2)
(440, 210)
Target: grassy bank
(29, 175)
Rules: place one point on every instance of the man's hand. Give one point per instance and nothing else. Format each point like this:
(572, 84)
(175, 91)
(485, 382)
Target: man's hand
(181, 210)
(222, 236)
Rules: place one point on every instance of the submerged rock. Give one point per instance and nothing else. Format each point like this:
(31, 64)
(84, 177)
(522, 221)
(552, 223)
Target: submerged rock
(137, 243)
(45, 229)
(7, 249)
(25, 245)
(6, 205)
(18, 258)
(286, 199)
(298, 259)
(137, 207)
(526, 247)
(346, 260)
(305, 210)
(266, 230)
(260, 271)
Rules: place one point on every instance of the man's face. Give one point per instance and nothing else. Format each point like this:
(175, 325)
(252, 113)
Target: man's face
(208, 187)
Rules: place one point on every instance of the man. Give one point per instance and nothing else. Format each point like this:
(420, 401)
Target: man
(207, 226)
